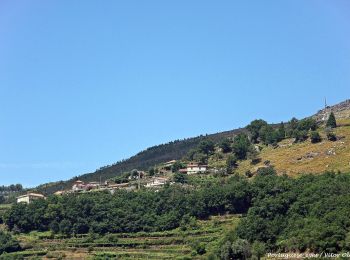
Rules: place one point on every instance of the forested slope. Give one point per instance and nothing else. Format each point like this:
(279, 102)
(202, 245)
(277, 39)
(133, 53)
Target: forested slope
(141, 161)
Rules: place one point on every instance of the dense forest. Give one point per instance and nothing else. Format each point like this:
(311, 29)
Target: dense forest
(282, 214)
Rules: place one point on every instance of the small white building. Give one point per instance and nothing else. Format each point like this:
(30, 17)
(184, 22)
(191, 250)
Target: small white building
(78, 186)
(156, 182)
(196, 168)
(30, 197)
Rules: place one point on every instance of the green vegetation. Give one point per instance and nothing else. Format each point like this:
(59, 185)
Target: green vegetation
(126, 211)
(331, 136)
(194, 240)
(331, 122)
(225, 145)
(309, 213)
(8, 243)
(8, 193)
(254, 128)
(180, 178)
(315, 137)
(283, 214)
(241, 146)
(150, 157)
(196, 216)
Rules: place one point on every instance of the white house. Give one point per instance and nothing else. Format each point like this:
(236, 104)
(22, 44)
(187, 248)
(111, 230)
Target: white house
(78, 186)
(156, 182)
(28, 198)
(196, 168)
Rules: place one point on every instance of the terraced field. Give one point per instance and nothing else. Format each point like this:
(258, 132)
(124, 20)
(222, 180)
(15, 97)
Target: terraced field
(174, 244)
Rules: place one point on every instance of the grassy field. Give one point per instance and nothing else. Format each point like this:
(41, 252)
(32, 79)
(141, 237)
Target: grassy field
(174, 244)
(305, 157)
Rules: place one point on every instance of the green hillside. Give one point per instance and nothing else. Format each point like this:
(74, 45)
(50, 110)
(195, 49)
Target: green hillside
(178, 149)
(142, 161)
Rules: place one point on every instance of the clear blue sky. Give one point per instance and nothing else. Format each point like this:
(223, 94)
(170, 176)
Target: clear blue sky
(87, 83)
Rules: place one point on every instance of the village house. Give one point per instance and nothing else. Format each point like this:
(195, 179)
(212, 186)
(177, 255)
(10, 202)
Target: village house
(193, 168)
(92, 185)
(61, 192)
(30, 197)
(156, 182)
(81, 186)
(121, 186)
(78, 186)
(167, 166)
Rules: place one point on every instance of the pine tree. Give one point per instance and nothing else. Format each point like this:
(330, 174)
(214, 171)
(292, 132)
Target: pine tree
(331, 122)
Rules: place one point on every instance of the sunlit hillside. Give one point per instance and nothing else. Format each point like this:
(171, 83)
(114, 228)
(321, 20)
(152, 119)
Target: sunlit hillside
(306, 157)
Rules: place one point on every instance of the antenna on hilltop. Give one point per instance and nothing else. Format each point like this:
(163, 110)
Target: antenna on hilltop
(325, 103)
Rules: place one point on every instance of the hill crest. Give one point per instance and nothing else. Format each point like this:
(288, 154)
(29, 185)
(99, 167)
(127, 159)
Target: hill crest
(178, 149)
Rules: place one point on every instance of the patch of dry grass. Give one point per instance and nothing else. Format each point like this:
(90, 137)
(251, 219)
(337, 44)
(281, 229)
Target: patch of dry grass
(295, 159)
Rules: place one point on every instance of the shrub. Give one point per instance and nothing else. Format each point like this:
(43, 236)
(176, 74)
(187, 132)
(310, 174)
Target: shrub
(249, 174)
(199, 248)
(231, 163)
(8, 243)
(180, 178)
(299, 135)
(241, 249)
(225, 145)
(315, 137)
(112, 238)
(258, 249)
(331, 136)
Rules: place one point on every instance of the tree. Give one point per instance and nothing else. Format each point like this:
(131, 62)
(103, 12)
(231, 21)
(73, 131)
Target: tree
(180, 178)
(254, 128)
(300, 135)
(253, 155)
(177, 166)
(258, 249)
(268, 135)
(151, 171)
(307, 124)
(200, 157)
(331, 122)
(65, 227)
(241, 249)
(241, 146)
(8, 243)
(226, 251)
(315, 137)
(206, 146)
(134, 173)
(54, 227)
(190, 154)
(292, 126)
(231, 163)
(2, 199)
(225, 145)
(281, 132)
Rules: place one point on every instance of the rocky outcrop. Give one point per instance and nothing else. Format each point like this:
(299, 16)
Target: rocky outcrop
(340, 110)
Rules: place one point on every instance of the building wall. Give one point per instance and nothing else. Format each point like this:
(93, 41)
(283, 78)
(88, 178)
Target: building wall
(196, 169)
(24, 199)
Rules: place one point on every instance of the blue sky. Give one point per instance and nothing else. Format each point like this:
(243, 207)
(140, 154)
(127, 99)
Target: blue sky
(87, 83)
